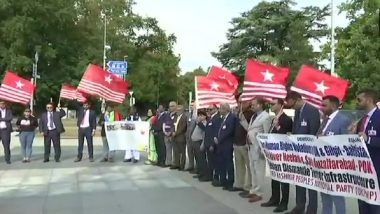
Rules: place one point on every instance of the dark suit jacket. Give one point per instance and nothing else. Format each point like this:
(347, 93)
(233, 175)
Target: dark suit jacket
(57, 119)
(306, 121)
(212, 129)
(373, 143)
(226, 132)
(180, 133)
(285, 124)
(338, 126)
(92, 117)
(7, 119)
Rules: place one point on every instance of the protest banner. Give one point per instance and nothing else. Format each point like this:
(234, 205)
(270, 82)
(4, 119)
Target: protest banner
(336, 165)
(127, 135)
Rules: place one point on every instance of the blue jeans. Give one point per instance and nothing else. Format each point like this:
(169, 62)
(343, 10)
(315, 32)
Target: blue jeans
(329, 200)
(26, 140)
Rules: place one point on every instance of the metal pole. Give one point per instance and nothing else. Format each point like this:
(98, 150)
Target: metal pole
(332, 40)
(104, 42)
(103, 106)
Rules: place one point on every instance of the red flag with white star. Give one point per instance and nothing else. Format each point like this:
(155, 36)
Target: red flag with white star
(209, 92)
(16, 89)
(314, 84)
(224, 75)
(98, 82)
(264, 80)
(71, 93)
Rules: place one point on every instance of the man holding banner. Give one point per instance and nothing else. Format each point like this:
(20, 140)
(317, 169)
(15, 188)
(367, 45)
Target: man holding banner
(281, 124)
(369, 130)
(306, 121)
(334, 123)
(260, 124)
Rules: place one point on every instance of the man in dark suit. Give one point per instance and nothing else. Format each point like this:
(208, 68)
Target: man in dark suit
(224, 147)
(168, 129)
(159, 137)
(51, 127)
(6, 117)
(334, 123)
(86, 129)
(369, 129)
(306, 121)
(179, 140)
(281, 124)
(211, 131)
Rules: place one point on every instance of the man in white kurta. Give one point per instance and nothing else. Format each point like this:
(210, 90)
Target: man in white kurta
(131, 153)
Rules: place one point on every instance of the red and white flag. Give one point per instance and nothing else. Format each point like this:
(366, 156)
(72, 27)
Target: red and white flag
(16, 89)
(209, 92)
(314, 84)
(264, 80)
(98, 82)
(71, 93)
(221, 74)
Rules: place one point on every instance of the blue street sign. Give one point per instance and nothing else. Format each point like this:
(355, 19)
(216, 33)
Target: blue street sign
(118, 67)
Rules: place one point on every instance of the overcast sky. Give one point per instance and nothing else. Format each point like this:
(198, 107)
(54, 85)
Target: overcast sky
(201, 25)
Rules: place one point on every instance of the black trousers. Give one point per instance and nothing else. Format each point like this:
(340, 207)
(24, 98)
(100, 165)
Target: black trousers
(55, 137)
(280, 193)
(85, 133)
(5, 136)
(179, 151)
(301, 200)
(160, 147)
(200, 159)
(211, 163)
(225, 165)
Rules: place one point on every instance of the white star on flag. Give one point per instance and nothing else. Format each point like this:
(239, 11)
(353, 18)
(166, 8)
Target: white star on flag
(268, 76)
(108, 79)
(321, 87)
(19, 84)
(214, 86)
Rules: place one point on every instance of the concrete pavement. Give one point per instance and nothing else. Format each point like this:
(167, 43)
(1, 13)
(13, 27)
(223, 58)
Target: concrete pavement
(111, 188)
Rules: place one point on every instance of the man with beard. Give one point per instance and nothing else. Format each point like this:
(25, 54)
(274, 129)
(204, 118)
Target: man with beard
(306, 121)
(281, 124)
(369, 129)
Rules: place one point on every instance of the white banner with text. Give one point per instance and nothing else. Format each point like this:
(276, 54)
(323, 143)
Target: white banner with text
(336, 165)
(127, 135)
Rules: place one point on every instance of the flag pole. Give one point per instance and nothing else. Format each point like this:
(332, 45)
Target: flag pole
(190, 99)
(196, 92)
(103, 105)
(332, 40)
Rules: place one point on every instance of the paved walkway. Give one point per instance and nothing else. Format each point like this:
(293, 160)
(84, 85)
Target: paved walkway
(110, 188)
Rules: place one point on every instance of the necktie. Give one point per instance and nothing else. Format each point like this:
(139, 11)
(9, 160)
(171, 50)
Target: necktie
(323, 125)
(272, 126)
(51, 124)
(363, 123)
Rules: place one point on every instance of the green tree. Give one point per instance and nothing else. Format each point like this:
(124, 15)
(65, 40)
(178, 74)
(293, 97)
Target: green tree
(358, 46)
(276, 33)
(68, 34)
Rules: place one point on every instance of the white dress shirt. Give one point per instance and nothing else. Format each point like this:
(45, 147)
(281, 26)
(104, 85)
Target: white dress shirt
(86, 119)
(3, 125)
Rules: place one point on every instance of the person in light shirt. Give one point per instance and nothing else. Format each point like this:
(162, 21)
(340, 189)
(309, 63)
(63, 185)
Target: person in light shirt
(27, 125)
(86, 129)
